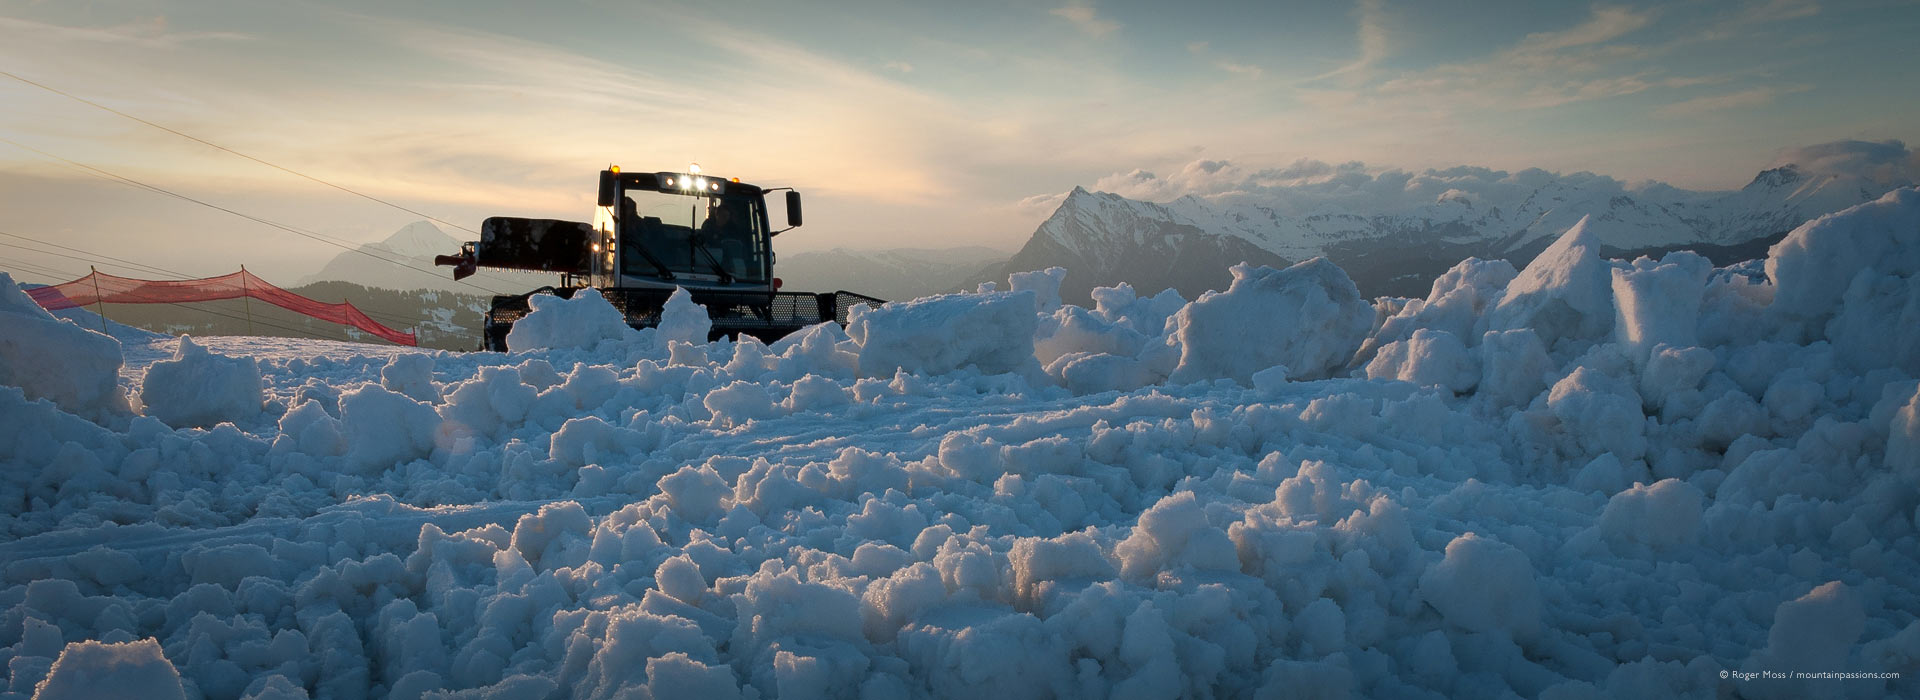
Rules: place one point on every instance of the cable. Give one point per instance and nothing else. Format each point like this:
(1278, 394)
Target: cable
(23, 266)
(129, 264)
(90, 261)
(202, 141)
(250, 217)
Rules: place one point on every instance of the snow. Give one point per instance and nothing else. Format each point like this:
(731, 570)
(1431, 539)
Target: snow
(580, 323)
(91, 669)
(1563, 294)
(1308, 317)
(936, 335)
(1590, 478)
(57, 360)
(200, 389)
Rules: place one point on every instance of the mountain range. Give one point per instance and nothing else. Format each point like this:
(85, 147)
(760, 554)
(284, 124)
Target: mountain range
(1395, 231)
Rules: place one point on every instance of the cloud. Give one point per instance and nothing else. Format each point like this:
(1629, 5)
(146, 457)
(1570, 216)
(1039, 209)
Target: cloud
(899, 66)
(1083, 16)
(152, 33)
(1371, 37)
(1606, 24)
(1713, 103)
(1734, 23)
(1240, 69)
(1888, 162)
(1041, 204)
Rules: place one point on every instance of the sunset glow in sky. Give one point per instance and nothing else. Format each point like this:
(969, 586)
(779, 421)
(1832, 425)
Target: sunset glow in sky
(906, 124)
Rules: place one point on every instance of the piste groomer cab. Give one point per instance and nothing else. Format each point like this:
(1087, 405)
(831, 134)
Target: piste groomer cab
(653, 232)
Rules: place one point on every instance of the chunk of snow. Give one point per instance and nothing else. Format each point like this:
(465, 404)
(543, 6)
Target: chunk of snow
(198, 388)
(580, 323)
(410, 374)
(1428, 358)
(1659, 303)
(1457, 303)
(1663, 515)
(1599, 413)
(1045, 285)
(1309, 317)
(75, 368)
(1817, 262)
(682, 320)
(87, 670)
(1565, 293)
(1514, 366)
(383, 428)
(940, 334)
(1815, 632)
(1484, 585)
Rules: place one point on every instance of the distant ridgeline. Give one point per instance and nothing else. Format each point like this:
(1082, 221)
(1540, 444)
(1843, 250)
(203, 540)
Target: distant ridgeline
(1395, 231)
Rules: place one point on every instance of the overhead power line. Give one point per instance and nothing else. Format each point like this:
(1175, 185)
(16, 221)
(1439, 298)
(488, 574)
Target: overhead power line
(243, 215)
(205, 142)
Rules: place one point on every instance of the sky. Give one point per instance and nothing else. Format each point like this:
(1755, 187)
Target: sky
(906, 125)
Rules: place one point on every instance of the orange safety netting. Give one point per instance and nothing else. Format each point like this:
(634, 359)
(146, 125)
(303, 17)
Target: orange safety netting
(98, 287)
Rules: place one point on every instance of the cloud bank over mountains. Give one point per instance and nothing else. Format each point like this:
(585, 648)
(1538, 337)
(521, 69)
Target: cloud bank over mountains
(1890, 163)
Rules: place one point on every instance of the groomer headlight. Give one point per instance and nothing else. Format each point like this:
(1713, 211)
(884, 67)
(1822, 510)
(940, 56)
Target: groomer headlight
(684, 182)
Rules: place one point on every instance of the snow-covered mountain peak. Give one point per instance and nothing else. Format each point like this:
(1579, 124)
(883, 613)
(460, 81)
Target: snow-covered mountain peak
(1773, 178)
(1381, 224)
(420, 239)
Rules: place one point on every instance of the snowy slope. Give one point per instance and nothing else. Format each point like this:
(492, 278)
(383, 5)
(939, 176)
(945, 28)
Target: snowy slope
(1584, 478)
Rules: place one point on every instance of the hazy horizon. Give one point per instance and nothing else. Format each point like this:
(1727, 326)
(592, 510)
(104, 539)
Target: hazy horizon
(916, 127)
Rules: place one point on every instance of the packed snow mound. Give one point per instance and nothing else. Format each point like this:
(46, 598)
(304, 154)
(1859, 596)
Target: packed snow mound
(992, 332)
(1457, 304)
(1664, 515)
(683, 321)
(1815, 632)
(52, 359)
(1484, 585)
(1429, 358)
(1659, 303)
(579, 323)
(1308, 317)
(1045, 285)
(1816, 263)
(1853, 278)
(200, 389)
(90, 670)
(1565, 293)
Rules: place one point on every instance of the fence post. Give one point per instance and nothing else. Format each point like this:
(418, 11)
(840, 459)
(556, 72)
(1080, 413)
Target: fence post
(99, 305)
(246, 298)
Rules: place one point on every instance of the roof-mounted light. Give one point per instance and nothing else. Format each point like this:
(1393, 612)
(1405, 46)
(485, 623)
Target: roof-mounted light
(691, 184)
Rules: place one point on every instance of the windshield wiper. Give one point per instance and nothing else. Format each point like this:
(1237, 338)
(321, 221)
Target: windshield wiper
(665, 273)
(714, 263)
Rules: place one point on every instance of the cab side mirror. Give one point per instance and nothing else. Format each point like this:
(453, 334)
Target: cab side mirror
(793, 208)
(607, 194)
